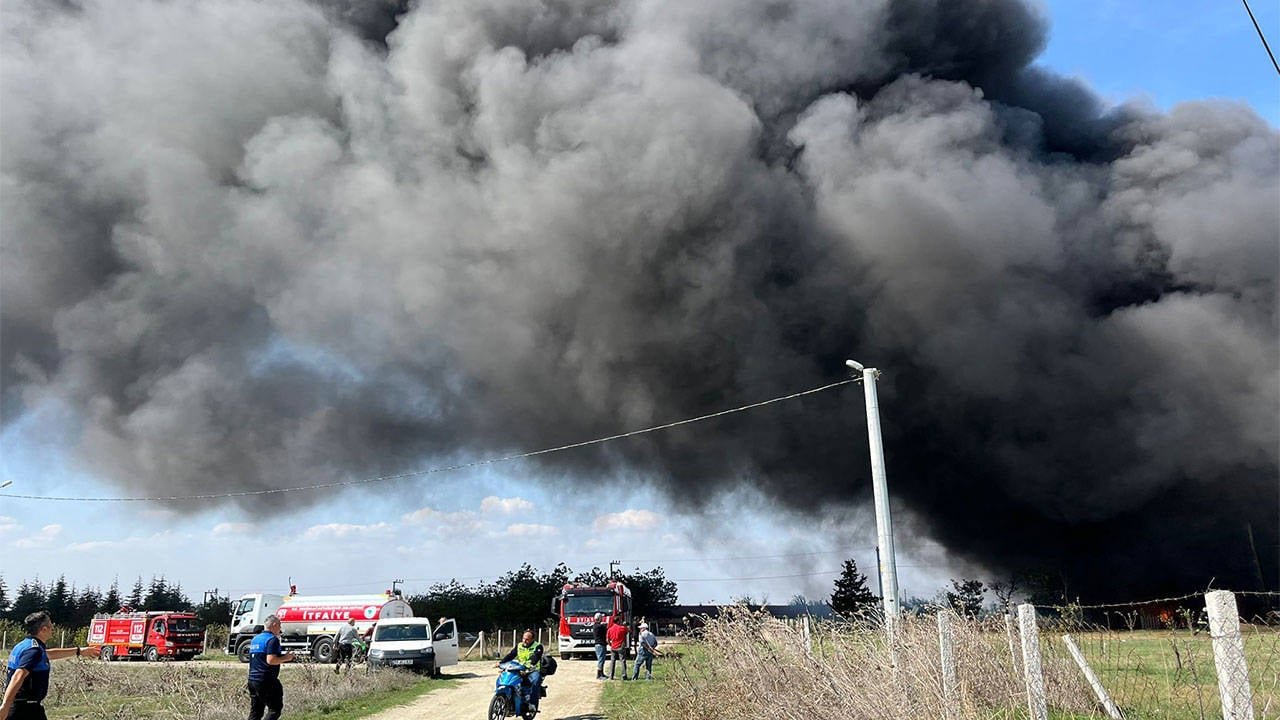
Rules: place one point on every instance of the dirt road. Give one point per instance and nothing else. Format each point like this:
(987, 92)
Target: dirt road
(573, 693)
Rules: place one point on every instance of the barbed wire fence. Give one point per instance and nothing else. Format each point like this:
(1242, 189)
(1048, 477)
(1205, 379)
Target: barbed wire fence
(1196, 657)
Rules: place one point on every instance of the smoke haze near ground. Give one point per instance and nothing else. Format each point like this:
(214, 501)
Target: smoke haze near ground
(253, 243)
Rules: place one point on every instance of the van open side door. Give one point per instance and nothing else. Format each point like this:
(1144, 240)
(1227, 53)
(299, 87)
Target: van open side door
(445, 642)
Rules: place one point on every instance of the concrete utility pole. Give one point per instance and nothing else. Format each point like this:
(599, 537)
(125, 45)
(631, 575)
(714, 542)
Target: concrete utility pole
(880, 492)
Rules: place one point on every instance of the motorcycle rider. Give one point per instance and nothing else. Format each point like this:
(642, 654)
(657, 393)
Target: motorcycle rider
(529, 654)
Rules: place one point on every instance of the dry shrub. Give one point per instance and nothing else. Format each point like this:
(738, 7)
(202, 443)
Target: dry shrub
(195, 691)
(752, 665)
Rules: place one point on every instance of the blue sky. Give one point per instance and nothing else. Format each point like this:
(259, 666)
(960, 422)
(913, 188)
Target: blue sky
(1169, 51)
(478, 524)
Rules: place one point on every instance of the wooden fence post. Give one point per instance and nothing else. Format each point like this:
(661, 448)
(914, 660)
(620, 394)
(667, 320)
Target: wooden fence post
(1113, 712)
(947, 654)
(1228, 655)
(1031, 670)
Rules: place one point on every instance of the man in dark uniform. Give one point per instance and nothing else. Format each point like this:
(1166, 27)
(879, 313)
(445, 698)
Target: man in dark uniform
(27, 681)
(265, 658)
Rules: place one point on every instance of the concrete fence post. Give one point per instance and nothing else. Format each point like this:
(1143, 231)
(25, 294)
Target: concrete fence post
(1031, 670)
(807, 636)
(1228, 655)
(1091, 677)
(947, 654)
(4, 643)
(62, 639)
(1013, 646)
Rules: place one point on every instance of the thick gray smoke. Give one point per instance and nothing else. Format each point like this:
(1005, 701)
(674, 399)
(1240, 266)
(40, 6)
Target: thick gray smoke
(251, 243)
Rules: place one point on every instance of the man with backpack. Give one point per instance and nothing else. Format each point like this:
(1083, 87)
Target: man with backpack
(529, 654)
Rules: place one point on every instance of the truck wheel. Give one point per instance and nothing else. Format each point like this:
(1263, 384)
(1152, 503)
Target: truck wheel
(106, 654)
(322, 650)
(242, 651)
(151, 654)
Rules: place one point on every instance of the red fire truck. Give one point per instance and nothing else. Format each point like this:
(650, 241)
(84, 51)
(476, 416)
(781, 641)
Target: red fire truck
(577, 606)
(148, 635)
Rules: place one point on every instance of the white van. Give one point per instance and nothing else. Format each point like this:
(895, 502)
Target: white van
(411, 643)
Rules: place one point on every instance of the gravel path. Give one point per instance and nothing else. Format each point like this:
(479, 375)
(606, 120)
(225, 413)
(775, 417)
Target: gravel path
(573, 693)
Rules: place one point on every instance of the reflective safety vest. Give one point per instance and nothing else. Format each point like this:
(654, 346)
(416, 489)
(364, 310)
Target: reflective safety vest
(524, 654)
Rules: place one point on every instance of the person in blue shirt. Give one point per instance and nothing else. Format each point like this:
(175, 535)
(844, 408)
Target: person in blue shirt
(266, 694)
(27, 680)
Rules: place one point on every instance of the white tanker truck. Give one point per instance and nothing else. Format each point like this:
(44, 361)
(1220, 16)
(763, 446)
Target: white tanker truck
(308, 622)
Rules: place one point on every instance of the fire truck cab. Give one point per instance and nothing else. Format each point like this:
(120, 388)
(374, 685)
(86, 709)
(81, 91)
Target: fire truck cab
(577, 606)
(148, 635)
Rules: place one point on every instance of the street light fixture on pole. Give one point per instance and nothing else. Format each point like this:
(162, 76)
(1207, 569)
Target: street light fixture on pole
(887, 559)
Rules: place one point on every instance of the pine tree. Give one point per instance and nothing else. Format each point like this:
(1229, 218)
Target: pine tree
(851, 594)
(4, 597)
(61, 601)
(30, 599)
(111, 601)
(965, 597)
(157, 594)
(88, 603)
(135, 598)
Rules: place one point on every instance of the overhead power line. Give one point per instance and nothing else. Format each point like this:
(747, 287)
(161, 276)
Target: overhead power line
(1261, 37)
(430, 471)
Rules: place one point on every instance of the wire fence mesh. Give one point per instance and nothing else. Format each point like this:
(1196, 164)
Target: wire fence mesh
(1151, 660)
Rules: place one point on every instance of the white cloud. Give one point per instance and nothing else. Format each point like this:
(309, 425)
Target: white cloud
(627, 520)
(532, 530)
(506, 506)
(452, 524)
(44, 538)
(341, 531)
(232, 528)
(8, 525)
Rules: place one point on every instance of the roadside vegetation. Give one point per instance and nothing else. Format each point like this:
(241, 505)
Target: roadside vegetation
(749, 665)
(83, 689)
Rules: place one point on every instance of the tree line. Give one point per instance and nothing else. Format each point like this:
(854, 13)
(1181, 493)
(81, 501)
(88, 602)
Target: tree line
(73, 606)
(520, 598)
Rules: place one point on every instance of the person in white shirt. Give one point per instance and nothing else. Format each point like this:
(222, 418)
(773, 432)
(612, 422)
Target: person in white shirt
(645, 651)
(343, 644)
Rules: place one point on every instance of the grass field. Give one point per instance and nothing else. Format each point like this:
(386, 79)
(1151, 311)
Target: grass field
(1170, 674)
(90, 689)
(1151, 675)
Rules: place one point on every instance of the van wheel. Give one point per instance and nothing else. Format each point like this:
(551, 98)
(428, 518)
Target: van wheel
(322, 650)
(151, 654)
(242, 651)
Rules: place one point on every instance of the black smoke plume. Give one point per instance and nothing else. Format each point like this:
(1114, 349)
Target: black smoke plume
(249, 244)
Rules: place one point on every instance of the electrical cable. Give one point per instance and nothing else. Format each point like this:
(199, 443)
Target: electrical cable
(1261, 37)
(429, 471)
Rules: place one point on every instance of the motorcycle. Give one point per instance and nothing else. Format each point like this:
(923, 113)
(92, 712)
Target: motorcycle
(513, 694)
(359, 650)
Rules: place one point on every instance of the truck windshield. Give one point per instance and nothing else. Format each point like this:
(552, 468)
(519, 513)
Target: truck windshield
(183, 625)
(386, 633)
(245, 606)
(588, 604)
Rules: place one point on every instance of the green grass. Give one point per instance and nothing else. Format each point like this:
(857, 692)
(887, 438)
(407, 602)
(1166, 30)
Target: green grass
(1170, 674)
(642, 700)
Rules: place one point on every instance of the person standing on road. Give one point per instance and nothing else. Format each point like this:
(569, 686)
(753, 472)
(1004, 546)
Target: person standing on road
(601, 633)
(617, 648)
(27, 680)
(344, 643)
(265, 658)
(647, 648)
